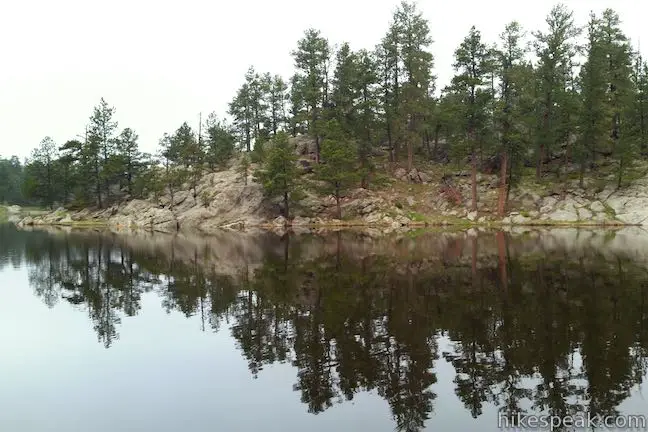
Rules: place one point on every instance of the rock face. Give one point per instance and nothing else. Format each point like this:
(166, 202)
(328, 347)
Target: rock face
(630, 205)
(223, 200)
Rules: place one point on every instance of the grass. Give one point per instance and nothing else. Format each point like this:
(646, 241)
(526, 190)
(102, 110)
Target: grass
(609, 211)
(416, 217)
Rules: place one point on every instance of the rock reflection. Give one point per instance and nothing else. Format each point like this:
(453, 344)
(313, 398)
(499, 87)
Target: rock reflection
(558, 320)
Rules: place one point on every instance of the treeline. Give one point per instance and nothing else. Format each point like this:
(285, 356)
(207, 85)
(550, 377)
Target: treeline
(562, 100)
(11, 180)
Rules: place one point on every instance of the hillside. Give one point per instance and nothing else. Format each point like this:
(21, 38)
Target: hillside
(393, 199)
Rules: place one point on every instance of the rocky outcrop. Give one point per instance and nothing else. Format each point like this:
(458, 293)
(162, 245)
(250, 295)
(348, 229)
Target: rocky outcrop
(224, 200)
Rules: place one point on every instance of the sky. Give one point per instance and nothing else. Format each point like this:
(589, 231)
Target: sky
(162, 63)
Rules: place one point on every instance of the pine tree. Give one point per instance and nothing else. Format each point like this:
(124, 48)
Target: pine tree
(101, 147)
(640, 82)
(390, 77)
(471, 61)
(593, 93)
(221, 142)
(339, 170)
(279, 175)
(241, 110)
(40, 173)
(343, 92)
(297, 111)
(556, 50)
(243, 168)
(414, 38)
(276, 102)
(366, 111)
(312, 58)
(129, 158)
(509, 113)
(622, 94)
(190, 155)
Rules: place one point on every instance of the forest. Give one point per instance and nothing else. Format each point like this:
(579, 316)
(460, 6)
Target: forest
(563, 102)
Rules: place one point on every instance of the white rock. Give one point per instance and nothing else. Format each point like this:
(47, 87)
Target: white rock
(597, 207)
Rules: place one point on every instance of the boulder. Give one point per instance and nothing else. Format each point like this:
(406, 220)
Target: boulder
(301, 221)
(597, 207)
(564, 215)
(425, 177)
(519, 220)
(280, 221)
(400, 174)
(472, 216)
(402, 220)
(14, 209)
(374, 217)
(584, 214)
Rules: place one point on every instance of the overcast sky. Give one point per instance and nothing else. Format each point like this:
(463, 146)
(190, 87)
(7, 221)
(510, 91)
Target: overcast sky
(162, 63)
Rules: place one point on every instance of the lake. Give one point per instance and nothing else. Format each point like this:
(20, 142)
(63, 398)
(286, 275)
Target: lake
(339, 332)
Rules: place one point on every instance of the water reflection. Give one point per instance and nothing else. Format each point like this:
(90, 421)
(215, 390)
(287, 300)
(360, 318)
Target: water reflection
(538, 324)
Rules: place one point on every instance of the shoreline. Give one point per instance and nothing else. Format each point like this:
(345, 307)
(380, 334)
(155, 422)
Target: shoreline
(449, 224)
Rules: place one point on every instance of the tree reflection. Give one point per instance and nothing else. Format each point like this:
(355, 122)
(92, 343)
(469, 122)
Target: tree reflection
(556, 333)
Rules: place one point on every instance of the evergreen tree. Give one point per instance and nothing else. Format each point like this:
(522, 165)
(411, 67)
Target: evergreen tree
(312, 58)
(221, 143)
(68, 167)
(297, 111)
(471, 61)
(390, 77)
(279, 175)
(339, 167)
(11, 180)
(101, 147)
(556, 50)
(243, 168)
(510, 112)
(593, 83)
(276, 101)
(414, 38)
(40, 182)
(129, 158)
(241, 111)
(343, 92)
(622, 93)
(640, 82)
(190, 155)
(366, 111)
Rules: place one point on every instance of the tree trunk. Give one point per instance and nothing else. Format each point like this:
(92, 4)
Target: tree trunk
(474, 257)
(337, 203)
(286, 205)
(503, 188)
(620, 178)
(410, 156)
(436, 144)
(473, 178)
(539, 162)
(98, 184)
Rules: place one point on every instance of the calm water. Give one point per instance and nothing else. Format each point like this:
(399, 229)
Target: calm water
(340, 333)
